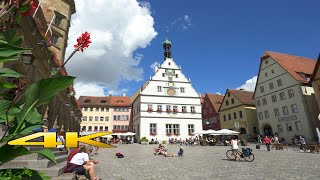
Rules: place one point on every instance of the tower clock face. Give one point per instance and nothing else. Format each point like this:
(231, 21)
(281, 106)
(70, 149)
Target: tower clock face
(171, 92)
(170, 84)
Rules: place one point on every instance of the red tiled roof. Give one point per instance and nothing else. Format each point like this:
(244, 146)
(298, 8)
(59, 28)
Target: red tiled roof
(216, 100)
(293, 64)
(202, 98)
(316, 68)
(246, 97)
(120, 101)
(94, 100)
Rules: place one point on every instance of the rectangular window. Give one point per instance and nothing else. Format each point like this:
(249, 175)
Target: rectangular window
(280, 130)
(91, 109)
(271, 85)
(266, 114)
(227, 102)
(153, 129)
(102, 109)
(89, 128)
(159, 108)
(101, 118)
(266, 74)
(282, 96)
(149, 107)
(276, 112)
(274, 98)
(90, 118)
(266, 61)
(83, 128)
(169, 128)
(100, 128)
(291, 93)
(159, 89)
(54, 39)
(177, 76)
(262, 89)
(57, 20)
(163, 74)
(95, 128)
(85, 109)
(175, 108)
(272, 71)
(234, 115)
(190, 129)
(176, 129)
(232, 101)
(182, 90)
(193, 109)
(264, 101)
(114, 118)
(279, 82)
(285, 110)
(97, 109)
(289, 127)
(258, 103)
(96, 118)
(106, 118)
(224, 117)
(106, 128)
(298, 126)
(84, 118)
(107, 109)
(240, 114)
(294, 108)
(260, 115)
(184, 108)
(229, 115)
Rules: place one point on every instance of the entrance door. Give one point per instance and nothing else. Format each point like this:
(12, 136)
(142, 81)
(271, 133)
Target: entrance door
(267, 129)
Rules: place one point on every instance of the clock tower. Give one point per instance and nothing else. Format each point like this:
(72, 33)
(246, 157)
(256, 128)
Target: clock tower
(167, 48)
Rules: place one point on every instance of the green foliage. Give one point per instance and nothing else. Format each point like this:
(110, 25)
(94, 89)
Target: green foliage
(5, 72)
(18, 174)
(144, 139)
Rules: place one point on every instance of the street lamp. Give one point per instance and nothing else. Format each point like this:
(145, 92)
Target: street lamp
(27, 58)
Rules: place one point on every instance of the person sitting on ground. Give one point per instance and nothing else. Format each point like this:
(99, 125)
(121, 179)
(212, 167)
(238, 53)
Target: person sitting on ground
(80, 163)
(157, 150)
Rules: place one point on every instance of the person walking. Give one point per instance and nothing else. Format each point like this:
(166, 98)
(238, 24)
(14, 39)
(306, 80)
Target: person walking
(267, 141)
(234, 146)
(259, 138)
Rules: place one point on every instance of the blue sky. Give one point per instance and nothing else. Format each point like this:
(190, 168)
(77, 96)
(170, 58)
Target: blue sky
(217, 43)
(222, 44)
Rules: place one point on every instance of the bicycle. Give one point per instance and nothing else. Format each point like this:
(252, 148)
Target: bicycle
(246, 154)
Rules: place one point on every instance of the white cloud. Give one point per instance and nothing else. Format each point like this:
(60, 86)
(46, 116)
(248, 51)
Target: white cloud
(250, 84)
(153, 65)
(117, 92)
(117, 28)
(218, 93)
(88, 89)
(182, 22)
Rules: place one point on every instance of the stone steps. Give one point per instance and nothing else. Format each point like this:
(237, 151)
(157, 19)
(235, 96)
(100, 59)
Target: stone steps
(34, 163)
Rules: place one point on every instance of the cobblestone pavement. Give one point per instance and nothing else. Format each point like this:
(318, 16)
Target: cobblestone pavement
(207, 162)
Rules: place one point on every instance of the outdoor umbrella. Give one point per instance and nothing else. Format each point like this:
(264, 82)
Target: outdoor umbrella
(201, 132)
(227, 132)
(212, 132)
(129, 134)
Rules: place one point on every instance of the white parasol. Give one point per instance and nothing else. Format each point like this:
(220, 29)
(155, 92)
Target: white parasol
(227, 132)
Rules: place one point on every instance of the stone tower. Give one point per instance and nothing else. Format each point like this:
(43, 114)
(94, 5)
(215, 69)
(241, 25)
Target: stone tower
(59, 13)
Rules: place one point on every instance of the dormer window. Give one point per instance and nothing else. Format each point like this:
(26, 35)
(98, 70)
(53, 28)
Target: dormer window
(87, 101)
(120, 101)
(169, 63)
(103, 101)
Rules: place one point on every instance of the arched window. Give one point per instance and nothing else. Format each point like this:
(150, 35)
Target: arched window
(243, 131)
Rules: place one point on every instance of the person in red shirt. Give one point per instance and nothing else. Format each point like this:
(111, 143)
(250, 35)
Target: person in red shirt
(267, 141)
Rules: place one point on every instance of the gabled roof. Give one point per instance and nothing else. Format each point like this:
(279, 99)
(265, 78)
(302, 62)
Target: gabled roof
(202, 98)
(119, 101)
(94, 100)
(294, 65)
(246, 97)
(216, 100)
(136, 94)
(316, 68)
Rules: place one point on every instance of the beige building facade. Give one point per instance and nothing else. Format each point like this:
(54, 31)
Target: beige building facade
(285, 102)
(238, 112)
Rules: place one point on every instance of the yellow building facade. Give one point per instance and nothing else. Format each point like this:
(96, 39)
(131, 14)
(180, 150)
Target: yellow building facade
(238, 112)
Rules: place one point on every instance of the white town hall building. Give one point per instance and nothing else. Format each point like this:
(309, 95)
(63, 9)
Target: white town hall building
(166, 106)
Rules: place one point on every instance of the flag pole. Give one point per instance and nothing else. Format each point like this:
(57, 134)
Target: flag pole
(50, 24)
(34, 14)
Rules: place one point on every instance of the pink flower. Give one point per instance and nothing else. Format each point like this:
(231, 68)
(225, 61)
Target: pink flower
(83, 41)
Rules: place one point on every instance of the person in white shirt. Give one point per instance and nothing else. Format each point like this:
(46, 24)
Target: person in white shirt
(234, 146)
(60, 138)
(80, 163)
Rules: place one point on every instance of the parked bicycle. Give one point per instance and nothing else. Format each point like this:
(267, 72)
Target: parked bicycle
(246, 154)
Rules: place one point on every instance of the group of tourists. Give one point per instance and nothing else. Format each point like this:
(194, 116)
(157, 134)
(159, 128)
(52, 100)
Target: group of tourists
(187, 142)
(161, 150)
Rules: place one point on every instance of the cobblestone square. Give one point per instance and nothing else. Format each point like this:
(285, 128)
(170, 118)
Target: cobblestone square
(205, 162)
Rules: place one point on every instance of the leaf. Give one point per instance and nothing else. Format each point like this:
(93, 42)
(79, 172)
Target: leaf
(4, 105)
(10, 37)
(7, 85)
(6, 72)
(46, 153)
(41, 93)
(11, 58)
(12, 152)
(27, 174)
(12, 113)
